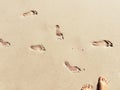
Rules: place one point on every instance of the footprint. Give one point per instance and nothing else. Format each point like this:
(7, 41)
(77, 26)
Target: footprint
(87, 87)
(105, 43)
(4, 43)
(38, 47)
(59, 34)
(31, 12)
(74, 69)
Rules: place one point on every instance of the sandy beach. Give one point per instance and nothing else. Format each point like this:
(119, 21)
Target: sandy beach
(81, 22)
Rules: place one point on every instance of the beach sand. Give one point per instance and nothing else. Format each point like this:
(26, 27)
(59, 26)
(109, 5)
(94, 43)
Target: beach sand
(81, 22)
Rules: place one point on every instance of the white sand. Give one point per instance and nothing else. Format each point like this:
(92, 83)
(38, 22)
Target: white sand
(81, 21)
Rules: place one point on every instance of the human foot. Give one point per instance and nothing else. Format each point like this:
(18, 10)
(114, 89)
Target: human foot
(87, 87)
(102, 84)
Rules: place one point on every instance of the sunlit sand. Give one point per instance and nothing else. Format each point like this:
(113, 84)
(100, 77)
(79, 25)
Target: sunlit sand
(86, 33)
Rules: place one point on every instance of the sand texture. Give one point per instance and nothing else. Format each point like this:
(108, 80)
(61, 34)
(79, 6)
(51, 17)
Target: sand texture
(38, 37)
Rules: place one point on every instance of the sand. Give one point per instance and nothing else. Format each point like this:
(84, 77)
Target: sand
(81, 22)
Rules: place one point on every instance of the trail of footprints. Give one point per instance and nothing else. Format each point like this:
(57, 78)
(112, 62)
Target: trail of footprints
(59, 34)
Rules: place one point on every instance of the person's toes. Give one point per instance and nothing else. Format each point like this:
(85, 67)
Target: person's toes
(102, 84)
(90, 86)
(87, 87)
(102, 79)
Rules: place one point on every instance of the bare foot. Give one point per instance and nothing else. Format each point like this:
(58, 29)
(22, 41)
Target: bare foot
(105, 43)
(31, 12)
(102, 84)
(59, 34)
(74, 69)
(87, 87)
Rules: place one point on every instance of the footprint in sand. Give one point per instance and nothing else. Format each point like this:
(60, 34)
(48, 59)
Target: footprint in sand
(74, 69)
(38, 47)
(102, 84)
(4, 43)
(87, 87)
(31, 12)
(105, 43)
(59, 34)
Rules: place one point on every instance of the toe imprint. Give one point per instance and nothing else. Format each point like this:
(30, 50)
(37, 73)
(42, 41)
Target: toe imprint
(105, 43)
